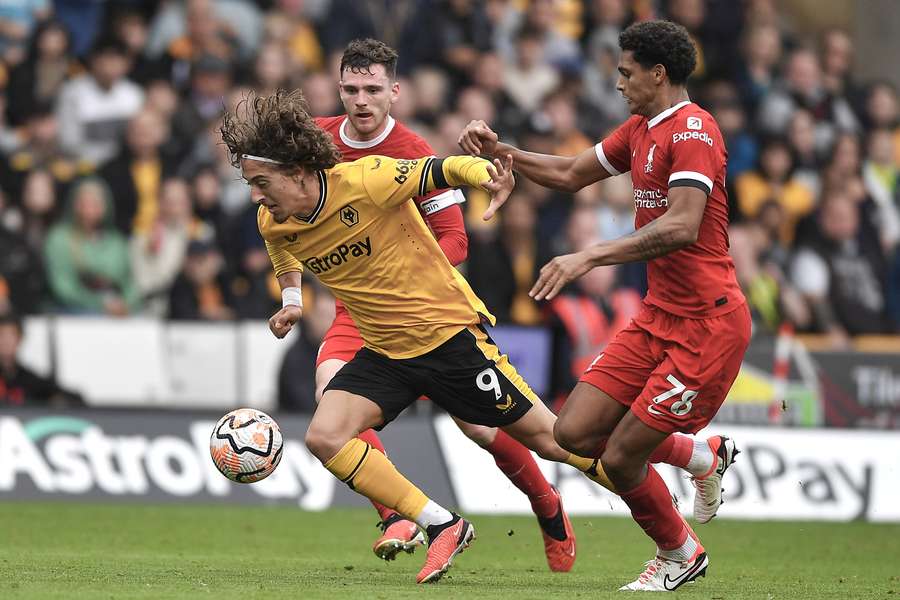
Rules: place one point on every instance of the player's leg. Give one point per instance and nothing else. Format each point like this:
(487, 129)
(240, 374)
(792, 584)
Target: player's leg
(374, 380)
(519, 466)
(338, 347)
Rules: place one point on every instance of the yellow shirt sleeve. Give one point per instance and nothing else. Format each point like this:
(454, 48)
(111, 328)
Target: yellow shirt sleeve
(282, 260)
(390, 182)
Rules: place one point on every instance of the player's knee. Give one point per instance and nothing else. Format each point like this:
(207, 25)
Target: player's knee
(324, 443)
(619, 466)
(481, 435)
(572, 438)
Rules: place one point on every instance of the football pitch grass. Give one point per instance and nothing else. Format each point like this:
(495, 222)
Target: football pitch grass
(74, 551)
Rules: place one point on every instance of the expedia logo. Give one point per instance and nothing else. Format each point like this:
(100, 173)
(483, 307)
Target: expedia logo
(403, 169)
(349, 216)
(341, 254)
(692, 135)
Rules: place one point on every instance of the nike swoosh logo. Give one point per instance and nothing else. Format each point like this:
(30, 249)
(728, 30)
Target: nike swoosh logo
(685, 576)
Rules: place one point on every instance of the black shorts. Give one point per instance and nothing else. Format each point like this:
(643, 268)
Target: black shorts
(466, 376)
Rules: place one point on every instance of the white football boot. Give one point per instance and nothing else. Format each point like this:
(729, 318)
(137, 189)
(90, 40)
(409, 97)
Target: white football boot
(663, 575)
(709, 487)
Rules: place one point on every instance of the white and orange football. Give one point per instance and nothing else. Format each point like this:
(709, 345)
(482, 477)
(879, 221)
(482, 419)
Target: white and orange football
(246, 445)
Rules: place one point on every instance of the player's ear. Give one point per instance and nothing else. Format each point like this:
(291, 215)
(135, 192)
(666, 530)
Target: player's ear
(395, 90)
(659, 73)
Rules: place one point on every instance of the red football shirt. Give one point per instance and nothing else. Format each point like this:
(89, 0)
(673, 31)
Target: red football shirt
(681, 146)
(398, 141)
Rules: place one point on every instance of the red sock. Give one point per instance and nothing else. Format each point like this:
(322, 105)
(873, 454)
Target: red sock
(651, 506)
(371, 438)
(675, 450)
(518, 465)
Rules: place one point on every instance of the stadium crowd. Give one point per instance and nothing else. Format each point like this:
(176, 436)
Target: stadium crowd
(117, 198)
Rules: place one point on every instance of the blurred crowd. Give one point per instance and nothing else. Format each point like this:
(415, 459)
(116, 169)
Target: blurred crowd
(116, 197)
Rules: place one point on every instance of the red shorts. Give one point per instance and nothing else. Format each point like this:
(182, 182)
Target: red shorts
(342, 340)
(673, 372)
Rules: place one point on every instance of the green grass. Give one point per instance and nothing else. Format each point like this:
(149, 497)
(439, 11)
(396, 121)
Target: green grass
(75, 551)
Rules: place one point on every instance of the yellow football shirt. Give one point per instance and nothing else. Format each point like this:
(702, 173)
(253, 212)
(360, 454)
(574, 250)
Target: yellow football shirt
(367, 242)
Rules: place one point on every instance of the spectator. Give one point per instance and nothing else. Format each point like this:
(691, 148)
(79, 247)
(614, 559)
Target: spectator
(190, 30)
(129, 26)
(321, 95)
(254, 288)
(802, 139)
(542, 20)
(503, 263)
(842, 273)
(95, 107)
(38, 148)
(804, 87)
(87, 259)
(773, 180)
(837, 62)
(136, 173)
(201, 290)
(601, 75)
(463, 34)
(22, 286)
(561, 112)
(38, 80)
(272, 69)
(158, 252)
(761, 47)
(290, 24)
(19, 385)
(883, 111)
(204, 102)
(38, 210)
(880, 177)
(527, 79)
(761, 264)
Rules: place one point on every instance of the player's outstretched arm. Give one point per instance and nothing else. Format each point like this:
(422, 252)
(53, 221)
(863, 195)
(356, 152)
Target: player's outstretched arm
(676, 229)
(564, 173)
(292, 305)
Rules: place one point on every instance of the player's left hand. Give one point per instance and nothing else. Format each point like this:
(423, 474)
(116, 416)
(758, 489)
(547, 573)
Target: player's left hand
(501, 184)
(557, 273)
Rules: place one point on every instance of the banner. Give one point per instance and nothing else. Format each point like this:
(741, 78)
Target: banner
(780, 474)
(164, 457)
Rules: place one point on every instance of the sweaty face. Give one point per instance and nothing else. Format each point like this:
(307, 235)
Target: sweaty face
(637, 84)
(279, 192)
(367, 96)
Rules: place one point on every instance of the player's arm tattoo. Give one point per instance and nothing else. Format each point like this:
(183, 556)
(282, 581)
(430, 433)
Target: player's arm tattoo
(653, 241)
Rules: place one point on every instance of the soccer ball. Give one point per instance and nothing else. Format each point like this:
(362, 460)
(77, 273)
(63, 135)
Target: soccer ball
(246, 445)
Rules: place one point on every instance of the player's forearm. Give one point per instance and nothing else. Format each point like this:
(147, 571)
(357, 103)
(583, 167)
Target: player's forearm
(655, 239)
(545, 169)
(291, 279)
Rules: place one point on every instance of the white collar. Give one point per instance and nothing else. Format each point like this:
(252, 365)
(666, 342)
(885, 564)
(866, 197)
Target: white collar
(368, 143)
(666, 113)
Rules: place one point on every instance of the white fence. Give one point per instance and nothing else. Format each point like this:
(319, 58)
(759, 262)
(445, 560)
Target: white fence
(147, 362)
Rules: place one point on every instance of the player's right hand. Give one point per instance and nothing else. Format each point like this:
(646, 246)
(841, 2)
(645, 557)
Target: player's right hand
(281, 322)
(477, 138)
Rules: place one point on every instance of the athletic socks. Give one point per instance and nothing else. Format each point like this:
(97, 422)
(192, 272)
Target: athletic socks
(683, 553)
(370, 437)
(592, 468)
(517, 463)
(432, 515)
(693, 455)
(651, 506)
(371, 474)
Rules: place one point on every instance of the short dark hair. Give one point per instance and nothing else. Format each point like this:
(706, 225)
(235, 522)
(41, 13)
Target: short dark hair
(361, 54)
(661, 43)
(280, 128)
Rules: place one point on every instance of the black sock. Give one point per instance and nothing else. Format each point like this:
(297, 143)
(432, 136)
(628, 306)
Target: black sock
(432, 531)
(554, 526)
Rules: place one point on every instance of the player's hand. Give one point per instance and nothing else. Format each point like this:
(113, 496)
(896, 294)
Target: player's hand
(281, 322)
(477, 139)
(557, 273)
(500, 186)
